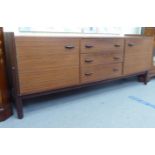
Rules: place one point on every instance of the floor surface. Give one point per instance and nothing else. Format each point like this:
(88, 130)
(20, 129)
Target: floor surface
(119, 104)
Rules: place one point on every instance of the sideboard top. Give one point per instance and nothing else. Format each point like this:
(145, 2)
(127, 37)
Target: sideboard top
(75, 35)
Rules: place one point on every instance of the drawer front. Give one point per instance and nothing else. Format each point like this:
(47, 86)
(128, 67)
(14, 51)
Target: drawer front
(100, 72)
(100, 58)
(138, 55)
(102, 45)
(42, 61)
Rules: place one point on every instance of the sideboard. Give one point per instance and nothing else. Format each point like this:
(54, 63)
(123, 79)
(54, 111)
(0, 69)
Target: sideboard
(50, 64)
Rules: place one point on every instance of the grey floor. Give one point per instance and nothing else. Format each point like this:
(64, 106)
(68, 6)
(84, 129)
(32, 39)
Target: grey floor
(125, 104)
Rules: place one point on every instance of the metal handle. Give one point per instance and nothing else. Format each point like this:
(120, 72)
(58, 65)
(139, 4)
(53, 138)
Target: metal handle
(69, 46)
(131, 44)
(88, 60)
(115, 70)
(89, 46)
(117, 45)
(88, 74)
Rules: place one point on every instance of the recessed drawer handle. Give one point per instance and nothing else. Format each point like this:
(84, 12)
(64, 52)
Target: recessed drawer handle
(117, 45)
(88, 60)
(116, 58)
(89, 46)
(69, 46)
(115, 70)
(131, 44)
(88, 74)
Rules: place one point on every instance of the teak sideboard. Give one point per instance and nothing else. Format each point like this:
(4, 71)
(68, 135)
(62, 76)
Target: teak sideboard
(47, 64)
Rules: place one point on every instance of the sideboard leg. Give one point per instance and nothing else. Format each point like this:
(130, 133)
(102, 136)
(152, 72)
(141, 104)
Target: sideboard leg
(146, 78)
(19, 107)
(141, 78)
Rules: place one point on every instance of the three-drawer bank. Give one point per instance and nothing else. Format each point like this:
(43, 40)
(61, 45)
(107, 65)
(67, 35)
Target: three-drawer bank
(46, 64)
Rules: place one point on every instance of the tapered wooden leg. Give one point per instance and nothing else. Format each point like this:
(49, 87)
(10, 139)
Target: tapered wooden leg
(144, 78)
(147, 79)
(19, 107)
(141, 78)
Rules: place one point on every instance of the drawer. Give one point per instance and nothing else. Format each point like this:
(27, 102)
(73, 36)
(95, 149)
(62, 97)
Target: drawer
(92, 59)
(102, 45)
(100, 72)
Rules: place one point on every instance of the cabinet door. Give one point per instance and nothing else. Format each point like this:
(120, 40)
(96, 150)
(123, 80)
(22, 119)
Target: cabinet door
(46, 63)
(138, 54)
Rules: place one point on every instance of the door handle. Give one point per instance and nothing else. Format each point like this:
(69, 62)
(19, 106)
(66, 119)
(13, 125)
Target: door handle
(69, 46)
(88, 74)
(116, 58)
(131, 44)
(88, 60)
(115, 70)
(117, 45)
(89, 46)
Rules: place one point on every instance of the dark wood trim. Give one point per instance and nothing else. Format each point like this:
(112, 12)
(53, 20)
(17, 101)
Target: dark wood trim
(13, 68)
(11, 52)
